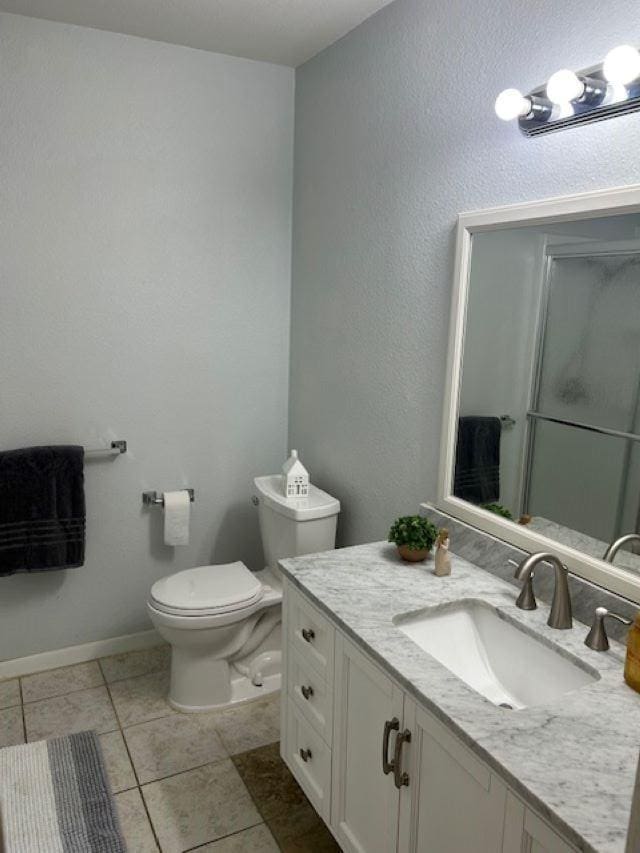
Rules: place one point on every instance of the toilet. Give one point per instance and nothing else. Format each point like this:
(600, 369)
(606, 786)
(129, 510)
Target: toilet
(223, 622)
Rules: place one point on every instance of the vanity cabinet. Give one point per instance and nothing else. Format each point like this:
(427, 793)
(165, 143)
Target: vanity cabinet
(365, 800)
(385, 774)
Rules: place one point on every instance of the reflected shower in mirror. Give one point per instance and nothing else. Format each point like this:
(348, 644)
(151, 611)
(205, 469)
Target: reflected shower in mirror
(549, 410)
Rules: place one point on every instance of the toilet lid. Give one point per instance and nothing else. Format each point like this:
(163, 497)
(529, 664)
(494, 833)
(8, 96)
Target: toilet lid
(207, 590)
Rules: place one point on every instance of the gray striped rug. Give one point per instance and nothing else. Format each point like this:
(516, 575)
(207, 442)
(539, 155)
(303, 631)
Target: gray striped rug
(55, 798)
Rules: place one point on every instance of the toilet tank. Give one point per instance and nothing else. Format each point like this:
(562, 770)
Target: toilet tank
(292, 527)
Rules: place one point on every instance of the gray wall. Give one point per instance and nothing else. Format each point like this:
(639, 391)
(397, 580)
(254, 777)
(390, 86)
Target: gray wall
(144, 294)
(395, 134)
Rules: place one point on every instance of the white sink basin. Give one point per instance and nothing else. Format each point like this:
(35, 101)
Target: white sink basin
(501, 661)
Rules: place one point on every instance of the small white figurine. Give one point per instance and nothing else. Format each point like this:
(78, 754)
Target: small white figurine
(443, 557)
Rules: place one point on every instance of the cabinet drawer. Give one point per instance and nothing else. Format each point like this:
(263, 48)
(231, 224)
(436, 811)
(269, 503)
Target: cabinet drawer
(311, 695)
(310, 634)
(309, 759)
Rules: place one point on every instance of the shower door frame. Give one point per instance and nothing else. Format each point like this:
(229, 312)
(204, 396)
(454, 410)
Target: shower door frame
(586, 249)
(590, 205)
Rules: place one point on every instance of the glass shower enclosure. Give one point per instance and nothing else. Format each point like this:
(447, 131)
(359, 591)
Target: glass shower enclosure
(584, 414)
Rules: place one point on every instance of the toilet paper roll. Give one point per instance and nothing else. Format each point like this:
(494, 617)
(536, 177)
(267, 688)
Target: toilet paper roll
(177, 507)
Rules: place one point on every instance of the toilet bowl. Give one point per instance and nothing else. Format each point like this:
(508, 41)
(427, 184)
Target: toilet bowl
(223, 622)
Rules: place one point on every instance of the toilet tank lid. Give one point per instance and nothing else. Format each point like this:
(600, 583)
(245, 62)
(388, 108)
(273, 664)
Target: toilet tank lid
(317, 505)
(208, 588)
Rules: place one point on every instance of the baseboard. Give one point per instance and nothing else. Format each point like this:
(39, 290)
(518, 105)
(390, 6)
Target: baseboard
(79, 654)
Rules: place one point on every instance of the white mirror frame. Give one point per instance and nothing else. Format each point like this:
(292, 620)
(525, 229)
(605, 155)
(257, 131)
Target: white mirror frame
(586, 206)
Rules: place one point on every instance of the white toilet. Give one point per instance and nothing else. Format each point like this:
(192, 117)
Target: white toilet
(223, 622)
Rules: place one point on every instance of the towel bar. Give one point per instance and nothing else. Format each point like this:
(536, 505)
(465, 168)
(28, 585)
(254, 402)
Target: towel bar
(114, 449)
(153, 499)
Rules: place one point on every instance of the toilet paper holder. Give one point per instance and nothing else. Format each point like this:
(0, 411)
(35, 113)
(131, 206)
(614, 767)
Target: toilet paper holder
(154, 499)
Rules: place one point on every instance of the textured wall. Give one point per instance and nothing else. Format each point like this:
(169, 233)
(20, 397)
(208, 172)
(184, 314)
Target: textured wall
(144, 294)
(395, 134)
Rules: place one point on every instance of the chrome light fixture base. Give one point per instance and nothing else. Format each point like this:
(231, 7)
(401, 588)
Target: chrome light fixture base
(585, 110)
(570, 98)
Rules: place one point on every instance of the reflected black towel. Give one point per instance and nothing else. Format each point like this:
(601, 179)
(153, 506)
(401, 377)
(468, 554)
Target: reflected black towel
(477, 476)
(42, 512)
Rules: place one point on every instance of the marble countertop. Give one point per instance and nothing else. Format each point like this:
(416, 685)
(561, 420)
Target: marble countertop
(574, 760)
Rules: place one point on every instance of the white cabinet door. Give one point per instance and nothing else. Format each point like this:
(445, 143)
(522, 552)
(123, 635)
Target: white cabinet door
(365, 801)
(452, 801)
(525, 832)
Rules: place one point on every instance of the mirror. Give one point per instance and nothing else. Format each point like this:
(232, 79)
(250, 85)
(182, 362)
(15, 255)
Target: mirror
(543, 420)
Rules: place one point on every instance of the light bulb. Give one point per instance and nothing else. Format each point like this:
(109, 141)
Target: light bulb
(622, 64)
(564, 86)
(512, 104)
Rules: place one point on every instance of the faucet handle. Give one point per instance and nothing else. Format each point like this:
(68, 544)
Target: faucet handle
(527, 600)
(597, 638)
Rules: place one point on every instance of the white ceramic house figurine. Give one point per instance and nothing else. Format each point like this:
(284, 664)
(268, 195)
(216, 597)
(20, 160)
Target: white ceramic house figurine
(295, 477)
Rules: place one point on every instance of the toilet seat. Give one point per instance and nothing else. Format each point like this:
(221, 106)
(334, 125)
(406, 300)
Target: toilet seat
(207, 591)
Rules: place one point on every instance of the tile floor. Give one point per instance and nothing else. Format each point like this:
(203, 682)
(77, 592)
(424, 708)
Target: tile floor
(214, 783)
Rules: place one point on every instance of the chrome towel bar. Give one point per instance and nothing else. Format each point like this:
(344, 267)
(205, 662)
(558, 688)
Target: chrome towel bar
(114, 449)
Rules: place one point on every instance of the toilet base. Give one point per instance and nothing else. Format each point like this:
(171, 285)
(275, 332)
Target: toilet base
(242, 692)
(200, 683)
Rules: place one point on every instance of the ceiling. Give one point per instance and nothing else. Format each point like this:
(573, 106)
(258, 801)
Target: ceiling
(287, 32)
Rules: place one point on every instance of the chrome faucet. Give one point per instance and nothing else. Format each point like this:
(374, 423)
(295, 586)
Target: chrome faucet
(612, 550)
(560, 615)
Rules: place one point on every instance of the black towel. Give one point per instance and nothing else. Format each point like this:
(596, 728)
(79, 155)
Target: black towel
(477, 475)
(42, 512)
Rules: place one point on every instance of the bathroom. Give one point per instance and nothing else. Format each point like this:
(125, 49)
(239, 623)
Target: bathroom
(230, 230)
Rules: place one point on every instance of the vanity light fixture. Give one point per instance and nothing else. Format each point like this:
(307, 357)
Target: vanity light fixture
(570, 98)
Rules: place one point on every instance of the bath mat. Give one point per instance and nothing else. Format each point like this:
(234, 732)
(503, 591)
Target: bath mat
(55, 798)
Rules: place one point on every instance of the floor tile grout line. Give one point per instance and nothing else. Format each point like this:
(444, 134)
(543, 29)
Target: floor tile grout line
(104, 681)
(24, 719)
(115, 711)
(98, 661)
(138, 787)
(128, 751)
(82, 662)
(146, 810)
(223, 837)
(150, 720)
(58, 669)
(121, 724)
(139, 675)
(62, 695)
(190, 770)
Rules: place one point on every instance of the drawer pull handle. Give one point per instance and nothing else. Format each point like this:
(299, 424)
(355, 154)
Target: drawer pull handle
(308, 634)
(399, 777)
(305, 754)
(307, 692)
(389, 726)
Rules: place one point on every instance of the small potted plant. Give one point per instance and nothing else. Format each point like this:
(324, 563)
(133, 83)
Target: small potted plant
(414, 536)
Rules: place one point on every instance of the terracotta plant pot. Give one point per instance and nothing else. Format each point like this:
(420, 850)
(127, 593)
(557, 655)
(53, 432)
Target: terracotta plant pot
(411, 555)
